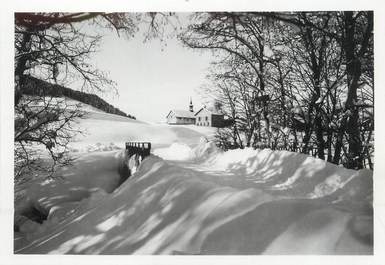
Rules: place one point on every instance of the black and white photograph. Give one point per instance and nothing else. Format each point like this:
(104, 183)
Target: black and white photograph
(195, 132)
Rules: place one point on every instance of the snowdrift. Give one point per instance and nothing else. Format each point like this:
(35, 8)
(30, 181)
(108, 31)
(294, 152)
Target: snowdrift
(176, 151)
(285, 172)
(183, 152)
(297, 174)
(236, 202)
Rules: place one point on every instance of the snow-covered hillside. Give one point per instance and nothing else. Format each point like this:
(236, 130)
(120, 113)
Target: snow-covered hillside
(190, 198)
(104, 128)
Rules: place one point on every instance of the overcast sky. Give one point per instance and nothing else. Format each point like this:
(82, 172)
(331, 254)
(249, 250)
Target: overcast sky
(152, 78)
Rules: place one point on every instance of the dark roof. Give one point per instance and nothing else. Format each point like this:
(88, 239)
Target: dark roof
(182, 113)
(209, 110)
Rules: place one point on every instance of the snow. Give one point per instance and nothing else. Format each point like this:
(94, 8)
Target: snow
(106, 128)
(319, 100)
(176, 151)
(191, 198)
(300, 174)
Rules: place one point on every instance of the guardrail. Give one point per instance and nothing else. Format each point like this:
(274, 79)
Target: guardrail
(142, 149)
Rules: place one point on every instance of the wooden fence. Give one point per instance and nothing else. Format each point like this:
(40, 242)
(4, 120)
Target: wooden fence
(143, 149)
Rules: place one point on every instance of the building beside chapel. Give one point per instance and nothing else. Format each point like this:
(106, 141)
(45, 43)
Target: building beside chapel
(203, 117)
(210, 118)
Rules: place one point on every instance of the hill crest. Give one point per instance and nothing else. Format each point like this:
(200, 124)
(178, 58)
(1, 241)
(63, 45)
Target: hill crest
(38, 87)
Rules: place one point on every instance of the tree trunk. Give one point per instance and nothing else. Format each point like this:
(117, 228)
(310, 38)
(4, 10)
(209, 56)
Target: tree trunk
(338, 147)
(308, 129)
(320, 139)
(353, 71)
(21, 63)
(329, 145)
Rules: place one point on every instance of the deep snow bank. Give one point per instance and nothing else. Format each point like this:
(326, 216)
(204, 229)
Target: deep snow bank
(281, 172)
(296, 173)
(169, 209)
(90, 174)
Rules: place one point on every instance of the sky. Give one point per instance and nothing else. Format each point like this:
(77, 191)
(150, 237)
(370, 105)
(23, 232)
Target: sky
(152, 78)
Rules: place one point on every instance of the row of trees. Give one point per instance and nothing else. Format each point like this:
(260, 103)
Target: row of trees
(298, 81)
(40, 88)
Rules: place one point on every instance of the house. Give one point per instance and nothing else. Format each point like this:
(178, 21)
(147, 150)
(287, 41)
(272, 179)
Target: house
(181, 116)
(210, 118)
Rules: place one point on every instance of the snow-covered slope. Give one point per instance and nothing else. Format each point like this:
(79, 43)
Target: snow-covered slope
(191, 198)
(106, 128)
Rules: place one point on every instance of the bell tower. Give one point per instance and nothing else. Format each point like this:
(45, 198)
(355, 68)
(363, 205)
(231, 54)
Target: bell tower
(191, 106)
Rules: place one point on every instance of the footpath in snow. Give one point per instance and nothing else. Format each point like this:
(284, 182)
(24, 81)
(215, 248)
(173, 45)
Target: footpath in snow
(187, 199)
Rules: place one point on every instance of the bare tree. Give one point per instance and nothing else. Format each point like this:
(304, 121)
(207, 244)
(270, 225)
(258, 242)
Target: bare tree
(245, 38)
(307, 75)
(56, 47)
(43, 128)
(353, 33)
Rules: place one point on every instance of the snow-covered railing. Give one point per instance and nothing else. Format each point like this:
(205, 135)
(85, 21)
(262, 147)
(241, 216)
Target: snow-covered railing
(142, 149)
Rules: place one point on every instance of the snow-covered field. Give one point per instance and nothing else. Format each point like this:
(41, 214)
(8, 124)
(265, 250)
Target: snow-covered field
(104, 128)
(190, 198)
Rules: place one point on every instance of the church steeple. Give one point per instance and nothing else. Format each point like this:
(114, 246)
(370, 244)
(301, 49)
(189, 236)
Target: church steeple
(191, 106)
